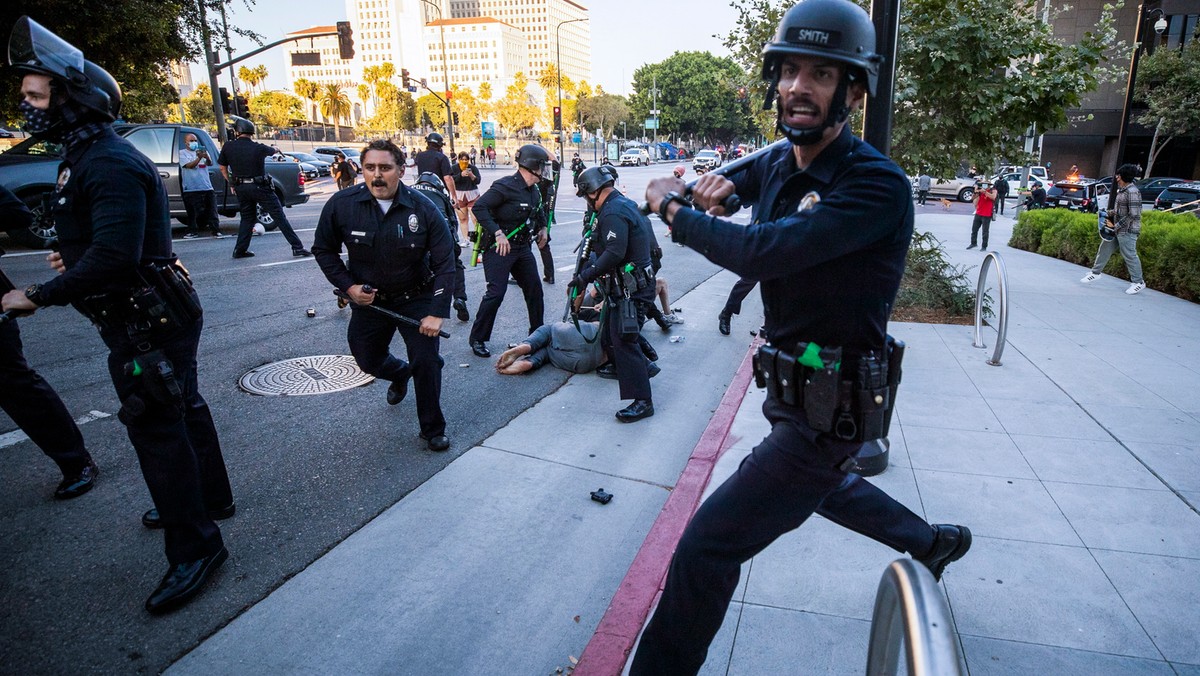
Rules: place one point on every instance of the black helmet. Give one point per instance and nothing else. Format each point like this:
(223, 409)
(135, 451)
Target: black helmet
(593, 179)
(32, 48)
(534, 158)
(242, 126)
(435, 139)
(834, 29)
(433, 181)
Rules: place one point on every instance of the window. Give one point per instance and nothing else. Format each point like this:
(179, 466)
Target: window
(157, 143)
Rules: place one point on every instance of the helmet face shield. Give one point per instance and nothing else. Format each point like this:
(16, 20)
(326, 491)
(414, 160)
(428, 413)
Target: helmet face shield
(33, 48)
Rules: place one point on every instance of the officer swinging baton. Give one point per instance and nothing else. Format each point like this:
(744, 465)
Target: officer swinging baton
(386, 312)
(733, 202)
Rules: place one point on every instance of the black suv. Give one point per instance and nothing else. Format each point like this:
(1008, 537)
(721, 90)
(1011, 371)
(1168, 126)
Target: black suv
(1181, 198)
(1078, 195)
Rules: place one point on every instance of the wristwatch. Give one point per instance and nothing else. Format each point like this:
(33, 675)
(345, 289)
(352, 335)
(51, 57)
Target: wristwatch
(33, 292)
(672, 196)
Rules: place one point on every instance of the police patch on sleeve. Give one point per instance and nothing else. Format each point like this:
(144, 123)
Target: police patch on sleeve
(414, 223)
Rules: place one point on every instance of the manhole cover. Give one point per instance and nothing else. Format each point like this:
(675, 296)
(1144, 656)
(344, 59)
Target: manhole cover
(305, 375)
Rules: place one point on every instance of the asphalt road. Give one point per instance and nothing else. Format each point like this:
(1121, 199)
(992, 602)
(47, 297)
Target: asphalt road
(306, 471)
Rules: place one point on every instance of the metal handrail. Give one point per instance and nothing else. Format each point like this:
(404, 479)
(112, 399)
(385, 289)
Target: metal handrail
(1002, 330)
(909, 599)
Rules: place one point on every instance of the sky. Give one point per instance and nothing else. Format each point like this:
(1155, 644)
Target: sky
(626, 34)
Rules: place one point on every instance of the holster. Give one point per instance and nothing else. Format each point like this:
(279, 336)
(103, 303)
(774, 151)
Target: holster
(163, 303)
(156, 376)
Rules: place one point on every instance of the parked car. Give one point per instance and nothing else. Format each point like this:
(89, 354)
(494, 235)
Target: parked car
(635, 156)
(309, 170)
(323, 167)
(1181, 198)
(1078, 195)
(1040, 173)
(30, 170)
(329, 154)
(962, 188)
(706, 160)
(4, 133)
(1153, 186)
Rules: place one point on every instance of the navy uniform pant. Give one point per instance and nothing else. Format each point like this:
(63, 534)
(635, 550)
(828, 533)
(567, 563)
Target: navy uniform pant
(460, 274)
(733, 304)
(176, 445)
(370, 336)
(250, 196)
(790, 475)
(496, 269)
(35, 407)
(627, 356)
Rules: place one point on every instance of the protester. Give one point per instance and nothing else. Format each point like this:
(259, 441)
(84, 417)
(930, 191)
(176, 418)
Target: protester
(1125, 222)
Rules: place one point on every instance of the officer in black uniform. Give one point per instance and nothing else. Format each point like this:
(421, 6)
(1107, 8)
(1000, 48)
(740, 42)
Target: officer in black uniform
(433, 161)
(116, 267)
(28, 399)
(431, 186)
(399, 245)
(831, 228)
(621, 243)
(511, 216)
(549, 187)
(243, 164)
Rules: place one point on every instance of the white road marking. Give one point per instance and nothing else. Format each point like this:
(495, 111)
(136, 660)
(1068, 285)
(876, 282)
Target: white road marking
(17, 436)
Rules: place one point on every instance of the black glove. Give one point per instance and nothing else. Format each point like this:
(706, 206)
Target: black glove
(576, 286)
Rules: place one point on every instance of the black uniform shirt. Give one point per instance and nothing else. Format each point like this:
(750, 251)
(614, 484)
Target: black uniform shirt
(245, 157)
(622, 236)
(435, 161)
(829, 273)
(393, 252)
(508, 203)
(110, 210)
(466, 182)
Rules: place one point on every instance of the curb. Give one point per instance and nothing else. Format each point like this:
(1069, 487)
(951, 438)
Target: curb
(613, 640)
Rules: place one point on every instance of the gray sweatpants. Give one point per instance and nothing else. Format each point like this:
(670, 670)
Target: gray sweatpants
(1127, 243)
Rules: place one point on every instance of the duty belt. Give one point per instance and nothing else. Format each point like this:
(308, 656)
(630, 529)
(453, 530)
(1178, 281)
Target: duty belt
(239, 180)
(405, 296)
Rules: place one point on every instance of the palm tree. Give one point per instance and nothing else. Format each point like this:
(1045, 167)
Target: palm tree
(307, 90)
(335, 105)
(260, 74)
(364, 94)
(248, 78)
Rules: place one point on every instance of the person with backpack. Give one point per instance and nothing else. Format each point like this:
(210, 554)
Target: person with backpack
(344, 172)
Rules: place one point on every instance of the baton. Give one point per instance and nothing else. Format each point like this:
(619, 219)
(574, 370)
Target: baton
(386, 312)
(733, 202)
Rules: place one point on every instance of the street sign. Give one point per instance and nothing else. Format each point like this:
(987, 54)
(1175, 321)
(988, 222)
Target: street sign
(576, 138)
(654, 112)
(651, 124)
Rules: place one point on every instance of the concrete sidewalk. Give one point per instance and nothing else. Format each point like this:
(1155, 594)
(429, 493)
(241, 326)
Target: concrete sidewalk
(1074, 464)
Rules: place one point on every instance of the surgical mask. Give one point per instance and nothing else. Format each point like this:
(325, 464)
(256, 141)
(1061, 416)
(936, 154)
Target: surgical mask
(38, 122)
(194, 145)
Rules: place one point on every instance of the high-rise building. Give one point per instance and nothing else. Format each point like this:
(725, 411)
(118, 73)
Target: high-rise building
(181, 78)
(546, 30)
(477, 50)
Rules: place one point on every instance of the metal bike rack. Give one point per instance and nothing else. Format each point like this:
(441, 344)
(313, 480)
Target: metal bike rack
(910, 601)
(1002, 330)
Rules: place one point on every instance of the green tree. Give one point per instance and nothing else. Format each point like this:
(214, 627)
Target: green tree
(550, 80)
(972, 75)
(469, 110)
(307, 90)
(276, 108)
(1168, 82)
(199, 106)
(605, 111)
(429, 105)
(516, 112)
(335, 105)
(696, 97)
(248, 77)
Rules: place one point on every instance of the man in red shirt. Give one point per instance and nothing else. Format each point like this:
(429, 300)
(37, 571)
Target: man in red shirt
(985, 203)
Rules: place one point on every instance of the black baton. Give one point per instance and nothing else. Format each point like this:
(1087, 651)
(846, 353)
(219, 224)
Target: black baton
(386, 312)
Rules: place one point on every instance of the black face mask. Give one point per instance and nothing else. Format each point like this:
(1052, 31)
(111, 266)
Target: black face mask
(43, 124)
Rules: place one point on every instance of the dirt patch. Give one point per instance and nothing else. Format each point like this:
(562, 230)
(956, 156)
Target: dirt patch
(924, 315)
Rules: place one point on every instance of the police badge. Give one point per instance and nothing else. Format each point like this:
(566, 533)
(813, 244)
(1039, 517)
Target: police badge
(414, 223)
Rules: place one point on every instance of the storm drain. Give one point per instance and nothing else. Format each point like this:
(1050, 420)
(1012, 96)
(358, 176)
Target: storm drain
(304, 375)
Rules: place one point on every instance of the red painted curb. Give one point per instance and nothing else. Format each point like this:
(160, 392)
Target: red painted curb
(609, 648)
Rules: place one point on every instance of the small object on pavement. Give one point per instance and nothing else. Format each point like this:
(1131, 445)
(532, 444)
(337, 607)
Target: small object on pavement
(602, 497)
(464, 366)
(311, 312)
(676, 339)
(677, 310)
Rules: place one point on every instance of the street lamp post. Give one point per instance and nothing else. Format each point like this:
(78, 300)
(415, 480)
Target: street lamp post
(558, 66)
(445, 75)
(1159, 26)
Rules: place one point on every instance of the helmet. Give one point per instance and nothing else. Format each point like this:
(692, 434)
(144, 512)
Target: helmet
(433, 181)
(534, 158)
(679, 170)
(435, 139)
(838, 30)
(34, 49)
(1107, 232)
(592, 180)
(241, 125)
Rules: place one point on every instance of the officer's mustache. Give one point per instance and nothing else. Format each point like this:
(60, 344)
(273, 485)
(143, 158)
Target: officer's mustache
(379, 183)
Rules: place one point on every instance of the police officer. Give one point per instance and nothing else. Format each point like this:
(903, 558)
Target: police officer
(831, 227)
(432, 160)
(511, 216)
(27, 398)
(116, 267)
(549, 189)
(399, 246)
(432, 187)
(621, 243)
(243, 164)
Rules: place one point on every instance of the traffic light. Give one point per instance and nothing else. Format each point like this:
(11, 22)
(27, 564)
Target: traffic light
(345, 40)
(557, 118)
(454, 117)
(226, 102)
(404, 79)
(242, 106)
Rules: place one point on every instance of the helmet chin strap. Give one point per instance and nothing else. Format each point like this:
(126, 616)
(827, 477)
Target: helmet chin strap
(811, 135)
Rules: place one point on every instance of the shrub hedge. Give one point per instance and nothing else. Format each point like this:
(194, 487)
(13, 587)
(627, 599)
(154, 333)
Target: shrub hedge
(1169, 246)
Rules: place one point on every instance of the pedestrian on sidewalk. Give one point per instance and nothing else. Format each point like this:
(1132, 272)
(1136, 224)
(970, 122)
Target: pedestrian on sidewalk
(1001, 188)
(822, 281)
(115, 244)
(1125, 222)
(923, 182)
(199, 198)
(400, 259)
(985, 205)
